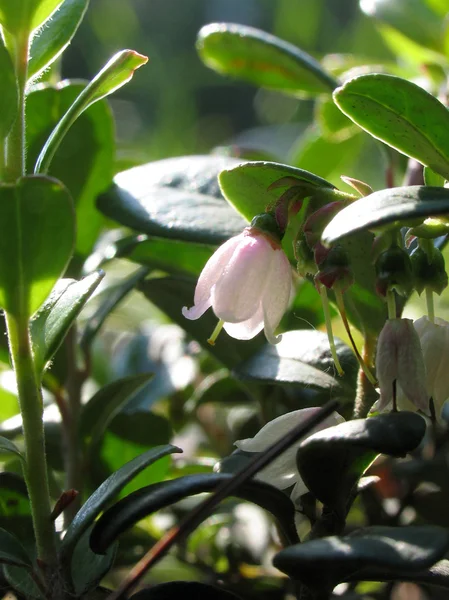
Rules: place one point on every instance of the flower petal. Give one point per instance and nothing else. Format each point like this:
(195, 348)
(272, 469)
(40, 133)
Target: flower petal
(237, 295)
(411, 372)
(246, 330)
(277, 293)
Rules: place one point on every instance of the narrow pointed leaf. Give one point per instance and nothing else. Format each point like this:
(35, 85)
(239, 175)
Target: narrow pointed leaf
(401, 114)
(118, 71)
(8, 446)
(53, 320)
(175, 198)
(36, 241)
(23, 16)
(390, 207)
(55, 37)
(106, 403)
(263, 59)
(321, 564)
(150, 499)
(12, 552)
(9, 96)
(106, 493)
(88, 568)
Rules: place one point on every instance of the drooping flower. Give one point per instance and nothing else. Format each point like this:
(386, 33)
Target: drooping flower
(434, 339)
(283, 472)
(247, 282)
(399, 359)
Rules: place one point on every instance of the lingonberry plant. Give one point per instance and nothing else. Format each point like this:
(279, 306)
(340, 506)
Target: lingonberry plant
(336, 451)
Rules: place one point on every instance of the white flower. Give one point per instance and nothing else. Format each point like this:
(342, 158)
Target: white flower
(434, 338)
(399, 358)
(247, 282)
(283, 472)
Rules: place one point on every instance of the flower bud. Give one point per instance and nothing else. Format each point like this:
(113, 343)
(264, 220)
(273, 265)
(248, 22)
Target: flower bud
(394, 272)
(333, 266)
(430, 273)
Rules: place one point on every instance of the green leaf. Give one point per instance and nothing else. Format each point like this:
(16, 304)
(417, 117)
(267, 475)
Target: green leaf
(331, 461)
(12, 552)
(321, 564)
(390, 207)
(303, 358)
(412, 18)
(128, 511)
(53, 39)
(8, 446)
(9, 97)
(173, 590)
(432, 178)
(106, 492)
(401, 114)
(118, 71)
(36, 241)
(85, 158)
(22, 581)
(170, 294)
(106, 403)
(55, 317)
(263, 59)
(246, 186)
(23, 16)
(113, 298)
(88, 568)
(334, 125)
(175, 198)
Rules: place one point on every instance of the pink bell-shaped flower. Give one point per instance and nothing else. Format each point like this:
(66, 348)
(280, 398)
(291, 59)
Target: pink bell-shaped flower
(434, 338)
(400, 359)
(247, 282)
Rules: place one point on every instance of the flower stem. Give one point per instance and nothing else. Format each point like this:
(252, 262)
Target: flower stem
(362, 363)
(430, 305)
(391, 304)
(330, 334)
(215, 333)
(31, 408)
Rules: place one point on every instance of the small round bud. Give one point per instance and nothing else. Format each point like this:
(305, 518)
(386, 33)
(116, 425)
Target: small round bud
(394, 272)
(334, 267)
(429, 273)
(266, 222)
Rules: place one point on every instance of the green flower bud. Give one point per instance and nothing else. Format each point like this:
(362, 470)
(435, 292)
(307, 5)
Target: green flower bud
(266, 222)
(394, 272)
(429, 273)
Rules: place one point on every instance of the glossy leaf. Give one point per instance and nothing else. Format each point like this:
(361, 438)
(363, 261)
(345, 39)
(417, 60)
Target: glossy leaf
(432, 178)
(412, 18)
(53, 320)
(12, 552)
(170, 294)
(303, 358)
(113, 298)
(23, 16)
(88, 568)
(334, 125)
(263, 59)
(106, 403)
(173, 590)
(150, 499)
(176, 198)
(390, 207)
(36, 241)
(22, 581)
(9, 96)
(437, 575)
(401, 114)
(246, 185)
(325, 562)
(331, 461)
(118, 71)
(55, 37)
(106, 492)
(8, 446)
(85, 158)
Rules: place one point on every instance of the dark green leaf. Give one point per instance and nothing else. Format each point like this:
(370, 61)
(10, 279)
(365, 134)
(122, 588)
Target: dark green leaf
(401, 114)
(23, 16)
(258, 57)
(36, 242)
(331, 461)
(150, 499)
(176, 198)
(88, 568)
(8, 446)
(173, 590)
(85, 158)
(9, 96)
(106, 403)
(303, 358)
(22, 582)
(112, 299)
(246, 186)
(55, 37)
(170, 294)
(324, 563)
(53, 320)
(12, 551)
(412, 18)
(118, 71)
(437, 575)
(106, 492)
(392, 206)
